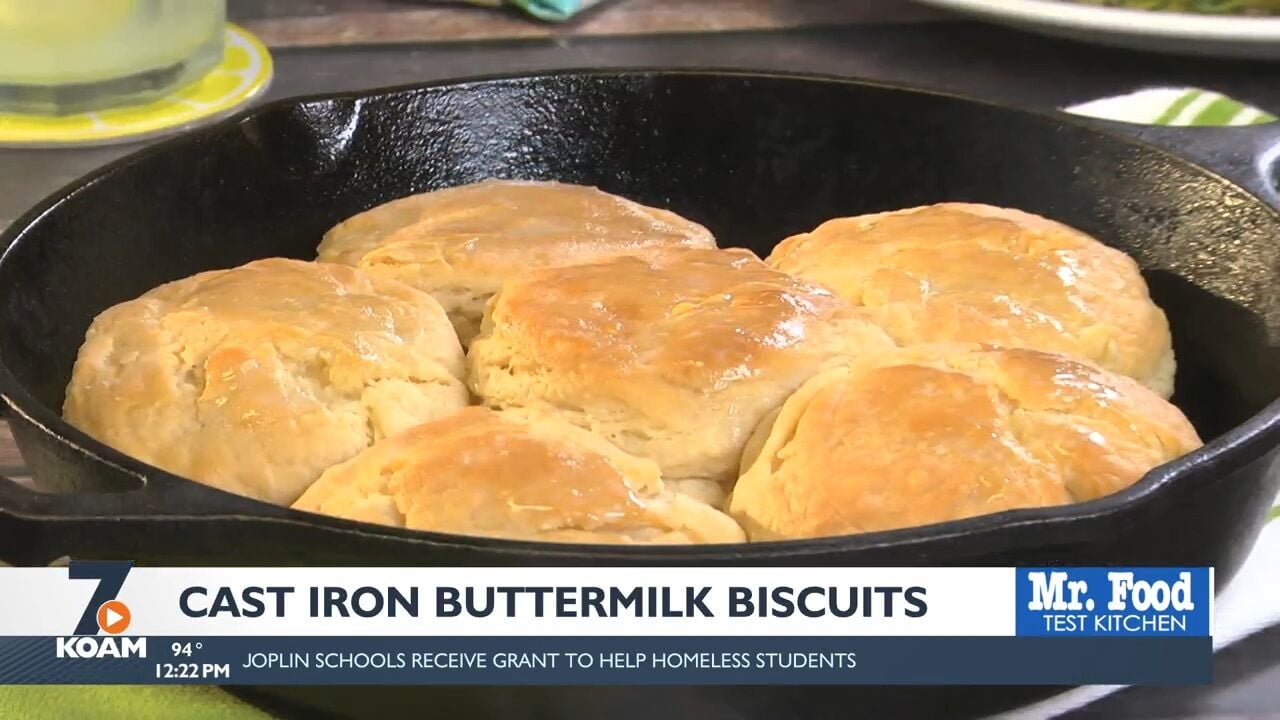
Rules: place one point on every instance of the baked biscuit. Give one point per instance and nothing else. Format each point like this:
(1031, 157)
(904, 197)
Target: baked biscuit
(514, 475)
(976, 273)
(675, 356)
(460, 243)
(256, 379)
(935, 433)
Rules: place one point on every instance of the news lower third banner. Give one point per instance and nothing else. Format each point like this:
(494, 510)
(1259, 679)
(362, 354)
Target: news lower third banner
(112, 623)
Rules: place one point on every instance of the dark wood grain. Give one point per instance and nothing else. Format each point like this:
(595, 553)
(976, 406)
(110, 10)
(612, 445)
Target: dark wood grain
(306, 23)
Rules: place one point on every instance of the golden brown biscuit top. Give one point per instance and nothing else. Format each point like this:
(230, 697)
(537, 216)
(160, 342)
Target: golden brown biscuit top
(323, 298)
(936, 433)
(977, 273)
(701, 319)
(517, 475)
(343, 316)
(255, 379)
(496, 227)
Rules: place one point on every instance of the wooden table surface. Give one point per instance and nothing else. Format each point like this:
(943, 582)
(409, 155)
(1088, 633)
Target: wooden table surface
(309, 23)
(327, 45)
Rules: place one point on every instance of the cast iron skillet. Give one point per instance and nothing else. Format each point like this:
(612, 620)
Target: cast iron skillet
(755, 157)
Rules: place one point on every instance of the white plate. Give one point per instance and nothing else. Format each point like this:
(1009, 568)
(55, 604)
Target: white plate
(1219, 35)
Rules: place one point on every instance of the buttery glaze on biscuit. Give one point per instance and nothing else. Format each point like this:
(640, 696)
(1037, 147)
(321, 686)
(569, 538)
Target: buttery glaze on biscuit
(460, 243)
(675, 356)
(975, 273)
(514, 475)
(935, 433)
(256, 379)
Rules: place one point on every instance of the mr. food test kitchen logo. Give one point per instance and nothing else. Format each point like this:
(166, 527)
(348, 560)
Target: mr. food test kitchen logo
(1115, 601)
(105, 618)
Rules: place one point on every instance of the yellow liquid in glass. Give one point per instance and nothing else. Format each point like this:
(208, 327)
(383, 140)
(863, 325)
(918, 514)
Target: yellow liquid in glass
(52, 43)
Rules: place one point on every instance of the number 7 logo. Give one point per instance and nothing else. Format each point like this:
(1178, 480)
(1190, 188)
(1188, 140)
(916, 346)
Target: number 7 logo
(110, 576)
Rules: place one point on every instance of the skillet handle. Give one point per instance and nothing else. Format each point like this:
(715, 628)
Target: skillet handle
(1247, 155)
(38, 527)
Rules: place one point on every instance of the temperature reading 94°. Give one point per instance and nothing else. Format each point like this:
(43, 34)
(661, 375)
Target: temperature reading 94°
(185, 649)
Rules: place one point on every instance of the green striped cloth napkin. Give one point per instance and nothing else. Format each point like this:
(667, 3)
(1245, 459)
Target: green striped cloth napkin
(1174, 106)
(549, 10)
(1162, 106)
(554, 10)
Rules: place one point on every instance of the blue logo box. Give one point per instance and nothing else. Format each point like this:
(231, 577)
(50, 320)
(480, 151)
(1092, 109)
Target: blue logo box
(1114, 602)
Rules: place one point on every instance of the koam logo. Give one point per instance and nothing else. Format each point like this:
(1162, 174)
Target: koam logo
(92, 647)
(103, 613)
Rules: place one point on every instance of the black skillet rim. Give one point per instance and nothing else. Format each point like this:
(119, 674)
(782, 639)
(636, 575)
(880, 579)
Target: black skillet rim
(1243, 443)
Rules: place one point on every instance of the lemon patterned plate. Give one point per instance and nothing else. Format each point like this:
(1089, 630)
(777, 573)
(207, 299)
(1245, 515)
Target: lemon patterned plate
(243, 74)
